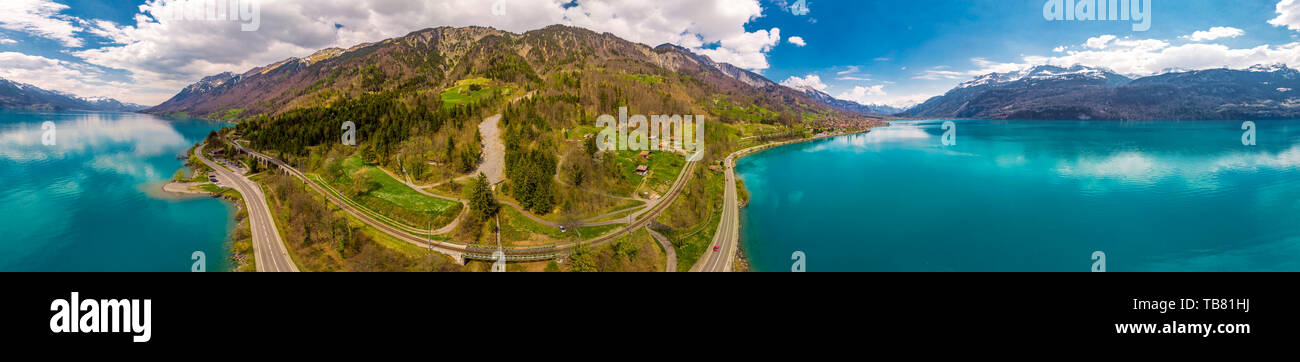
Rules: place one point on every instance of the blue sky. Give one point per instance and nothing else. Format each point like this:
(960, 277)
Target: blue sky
(894, 52)
(894, 43)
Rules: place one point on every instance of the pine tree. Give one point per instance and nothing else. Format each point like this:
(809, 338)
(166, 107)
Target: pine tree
(482, 204)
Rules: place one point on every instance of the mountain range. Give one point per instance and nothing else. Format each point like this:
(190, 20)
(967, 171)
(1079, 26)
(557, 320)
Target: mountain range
(15, 95)
(848, 106)
(437, 58)
(1080, 92)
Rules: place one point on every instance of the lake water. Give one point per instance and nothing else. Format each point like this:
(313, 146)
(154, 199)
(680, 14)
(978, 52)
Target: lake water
(88, 202)
(1030, 196)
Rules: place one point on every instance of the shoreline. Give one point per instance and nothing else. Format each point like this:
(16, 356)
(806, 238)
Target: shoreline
(185, 188)
(171, 191)
(738, 155)
(765, 147)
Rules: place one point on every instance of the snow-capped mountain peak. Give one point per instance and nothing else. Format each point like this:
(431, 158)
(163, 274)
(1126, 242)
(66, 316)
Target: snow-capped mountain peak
(1045, 72)
(17, 95)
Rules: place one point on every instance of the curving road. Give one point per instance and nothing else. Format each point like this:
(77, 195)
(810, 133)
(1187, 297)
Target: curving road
(669, 251)
(457, 250)
(269, 252)
(727, 238)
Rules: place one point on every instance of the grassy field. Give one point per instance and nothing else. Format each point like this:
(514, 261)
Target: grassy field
(394, 198)
(664, 168)
(309, 258)
(693, 243)
(220, 191)
(632, 252)
(755, 129)
(516, 229)
(619, 205)
(465, 91)
(750, 114)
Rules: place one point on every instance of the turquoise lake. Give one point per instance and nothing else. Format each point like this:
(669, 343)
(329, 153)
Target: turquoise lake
(1030, 196)
(92, 200)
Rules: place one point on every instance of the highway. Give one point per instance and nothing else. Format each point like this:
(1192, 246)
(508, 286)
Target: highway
(269, 251)
(727, 238)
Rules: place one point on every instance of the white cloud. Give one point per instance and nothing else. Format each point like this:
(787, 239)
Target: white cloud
(940, 74)
(1099, 42)
(860, 92)
(40, 18)
(745, 50)
(876, 94)
(851, 73)
(1134, 57)
(1288, 15)
(983, 66)
(164, 55)
(1218, 32)
(1150, 56)
(798, 41)
(811, 81)
(53, 74)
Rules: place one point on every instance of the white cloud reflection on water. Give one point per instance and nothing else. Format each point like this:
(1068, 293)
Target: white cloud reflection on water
(90, 133)
(1145, 168)
(1133, 168)
(873, 140)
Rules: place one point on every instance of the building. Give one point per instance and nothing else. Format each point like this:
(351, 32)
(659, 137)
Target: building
(642, 170)
(645, 155)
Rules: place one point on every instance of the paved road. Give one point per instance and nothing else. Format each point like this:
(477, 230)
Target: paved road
(668, 249)
(727, 238)
(456, 250)
(269, 251)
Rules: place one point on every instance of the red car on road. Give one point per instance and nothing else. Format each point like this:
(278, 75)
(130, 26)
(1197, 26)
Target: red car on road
(717, 247)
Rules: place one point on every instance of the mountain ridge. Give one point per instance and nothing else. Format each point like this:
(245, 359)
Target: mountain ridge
(17, 95)
(1081, 92)
(847, 105)
(436, 58)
